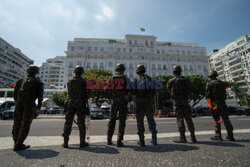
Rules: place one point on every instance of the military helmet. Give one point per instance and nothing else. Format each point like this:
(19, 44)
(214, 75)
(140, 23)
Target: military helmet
(78, 69)
(119, 67)
(32, 69)
(177, 68)
(213, 74)
(140, 68)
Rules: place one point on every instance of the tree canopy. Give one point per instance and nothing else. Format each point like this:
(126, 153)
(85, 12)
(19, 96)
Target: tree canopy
(97, 79)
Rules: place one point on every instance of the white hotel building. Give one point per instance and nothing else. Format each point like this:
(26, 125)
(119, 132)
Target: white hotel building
(232, 62)
(52, 72)
(158, 56)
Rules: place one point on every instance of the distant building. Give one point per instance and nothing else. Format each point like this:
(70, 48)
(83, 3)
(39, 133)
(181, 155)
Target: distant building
(13, 63)
(232, 62)
(51, 73)
(158, 56)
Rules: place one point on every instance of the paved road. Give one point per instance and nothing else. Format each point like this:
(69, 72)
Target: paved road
(45, 140)
(167, 153)
(53, 127)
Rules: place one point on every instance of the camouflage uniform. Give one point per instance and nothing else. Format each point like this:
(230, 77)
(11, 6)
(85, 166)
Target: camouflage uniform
(25, 106)
(119, 104)
(76, 105)
(145, 106)
(180, 104)
(218, 97)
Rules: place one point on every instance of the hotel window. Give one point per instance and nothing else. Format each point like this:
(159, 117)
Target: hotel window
(89, 49)
(95, 65)
(110, 64)
(96, 49)
(102, 49)
(152, 44)
(101, 66)
(130, 42)
(88, 64)
(124, 49)
(135, 42)
(146, 43)
(130, 49)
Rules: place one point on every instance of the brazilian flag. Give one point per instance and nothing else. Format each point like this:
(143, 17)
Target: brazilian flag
(143, 29)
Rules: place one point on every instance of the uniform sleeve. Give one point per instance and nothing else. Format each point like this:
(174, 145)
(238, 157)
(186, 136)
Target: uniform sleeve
(169, 86)
(69, 89)
(40, 95)
(16, 89)
(208, 90)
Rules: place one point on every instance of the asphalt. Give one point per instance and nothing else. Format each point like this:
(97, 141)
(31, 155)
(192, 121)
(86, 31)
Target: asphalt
(167, 153)
(45, 140)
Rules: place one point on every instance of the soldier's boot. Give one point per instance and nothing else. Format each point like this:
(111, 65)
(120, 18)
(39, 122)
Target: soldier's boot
(65, 142)
(83, 144)
(230, 136)
(109, 140)
(141, 141)
(120, 143)
(217, 137)
(18, 147)
(182, 138)
(193, 138)
(154, 136)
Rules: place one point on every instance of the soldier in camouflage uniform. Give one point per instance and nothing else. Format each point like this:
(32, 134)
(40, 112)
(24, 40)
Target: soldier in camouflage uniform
(178, 87)
(26, 91)
(119, 104)
(216, 91)
(144, 105)
(76, 105)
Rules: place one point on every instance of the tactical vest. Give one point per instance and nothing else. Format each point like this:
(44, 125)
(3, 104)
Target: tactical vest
(218, 90)
(77, 88)
(25, 92)
(180, 88)
(142, 86)
(119, 93)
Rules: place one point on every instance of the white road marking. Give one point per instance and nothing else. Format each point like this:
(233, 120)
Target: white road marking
(7, 142)
(244, 119)
(134, 123)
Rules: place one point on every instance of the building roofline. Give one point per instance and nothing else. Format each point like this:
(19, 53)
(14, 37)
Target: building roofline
(242, 36)
(17, 49)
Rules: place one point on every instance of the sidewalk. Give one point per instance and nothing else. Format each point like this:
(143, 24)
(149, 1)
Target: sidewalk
(166, 153)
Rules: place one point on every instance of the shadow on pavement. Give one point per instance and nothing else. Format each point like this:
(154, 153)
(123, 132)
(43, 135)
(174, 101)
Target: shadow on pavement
(243, 141)
(103, 149)
(222, 143)
(38, 154)
(163, 148)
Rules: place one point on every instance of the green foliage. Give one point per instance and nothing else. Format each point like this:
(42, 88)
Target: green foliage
(197, 88)
(163, 94)
(98, 96)
(59, 98)
(245, 100)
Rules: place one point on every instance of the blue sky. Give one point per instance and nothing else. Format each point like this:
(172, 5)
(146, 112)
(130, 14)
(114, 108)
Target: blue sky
(42, 28)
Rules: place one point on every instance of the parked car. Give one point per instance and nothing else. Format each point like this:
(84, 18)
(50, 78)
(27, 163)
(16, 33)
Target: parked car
(236, 110)
(8, 113)
(6, 105)
(43, 110)
(247, 111)
(54, 110)
(106, 111)
(97, 113)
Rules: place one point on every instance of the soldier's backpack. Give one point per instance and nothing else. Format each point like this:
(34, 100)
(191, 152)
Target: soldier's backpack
(218, 90)
(26, 89)
(180, 88)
